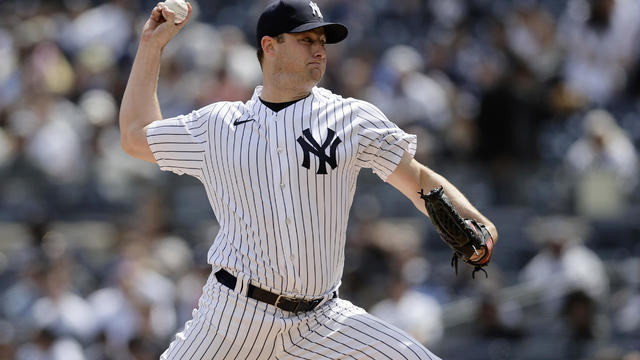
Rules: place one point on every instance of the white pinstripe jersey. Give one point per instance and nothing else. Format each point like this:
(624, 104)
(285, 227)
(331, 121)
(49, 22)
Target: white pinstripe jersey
(281, 184)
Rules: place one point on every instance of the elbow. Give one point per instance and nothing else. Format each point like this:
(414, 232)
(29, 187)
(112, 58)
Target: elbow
(126, 145)
(133, 136)
(127, 140)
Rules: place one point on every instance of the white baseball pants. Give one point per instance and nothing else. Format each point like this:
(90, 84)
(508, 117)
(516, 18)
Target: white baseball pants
(228, 325)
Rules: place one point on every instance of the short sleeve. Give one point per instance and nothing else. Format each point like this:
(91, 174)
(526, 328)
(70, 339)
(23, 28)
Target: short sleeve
(178, 144)
(381, 142)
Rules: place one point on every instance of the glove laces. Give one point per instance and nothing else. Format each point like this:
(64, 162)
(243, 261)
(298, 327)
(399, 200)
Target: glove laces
(476, 268)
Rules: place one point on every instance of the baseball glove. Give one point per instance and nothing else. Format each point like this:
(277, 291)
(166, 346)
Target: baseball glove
(464, 236)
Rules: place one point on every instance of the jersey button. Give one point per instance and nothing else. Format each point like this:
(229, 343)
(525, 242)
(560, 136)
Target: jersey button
(279, 150)
(288, 221)
(282, 185)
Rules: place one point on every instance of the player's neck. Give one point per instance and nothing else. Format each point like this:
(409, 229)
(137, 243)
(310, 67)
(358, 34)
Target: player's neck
(278, 95)
(275, 91)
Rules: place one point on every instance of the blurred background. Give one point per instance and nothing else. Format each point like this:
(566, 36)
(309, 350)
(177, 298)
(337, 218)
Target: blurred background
(531, 107)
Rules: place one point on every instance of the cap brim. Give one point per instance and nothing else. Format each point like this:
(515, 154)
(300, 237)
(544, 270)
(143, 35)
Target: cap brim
(333, 31)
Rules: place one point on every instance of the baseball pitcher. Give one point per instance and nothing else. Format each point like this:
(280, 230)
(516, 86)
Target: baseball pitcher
(280, 173)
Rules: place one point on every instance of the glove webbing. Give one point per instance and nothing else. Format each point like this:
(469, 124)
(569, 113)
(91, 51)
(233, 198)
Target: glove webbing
(476, 268)
(456, 257)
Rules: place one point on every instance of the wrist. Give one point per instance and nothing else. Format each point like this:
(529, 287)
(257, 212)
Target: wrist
(150, 47)
(493, 231)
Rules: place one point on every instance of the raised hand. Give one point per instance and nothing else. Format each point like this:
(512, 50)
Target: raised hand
(160, 28)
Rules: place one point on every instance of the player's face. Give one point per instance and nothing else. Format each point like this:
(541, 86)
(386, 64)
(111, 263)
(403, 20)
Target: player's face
(302, 57)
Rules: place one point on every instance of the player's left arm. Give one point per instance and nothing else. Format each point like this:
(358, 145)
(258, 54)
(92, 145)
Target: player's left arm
(410, 177)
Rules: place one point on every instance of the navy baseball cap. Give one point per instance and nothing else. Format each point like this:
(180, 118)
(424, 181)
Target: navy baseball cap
(294, 16)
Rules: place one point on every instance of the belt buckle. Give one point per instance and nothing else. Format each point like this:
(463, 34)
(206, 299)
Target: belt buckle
(299, 304)
(314, 303)
(294, 301)
(278, 301)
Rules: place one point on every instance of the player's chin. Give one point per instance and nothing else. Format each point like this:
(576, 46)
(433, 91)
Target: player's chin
(316, 73)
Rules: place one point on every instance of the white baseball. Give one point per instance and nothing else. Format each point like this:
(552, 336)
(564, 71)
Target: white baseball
(179, 8)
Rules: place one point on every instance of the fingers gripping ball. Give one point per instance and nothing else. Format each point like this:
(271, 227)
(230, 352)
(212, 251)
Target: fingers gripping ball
(179, 8)
(469, 240)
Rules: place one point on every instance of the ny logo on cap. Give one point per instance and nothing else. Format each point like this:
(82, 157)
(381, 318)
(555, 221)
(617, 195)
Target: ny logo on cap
(315, 9)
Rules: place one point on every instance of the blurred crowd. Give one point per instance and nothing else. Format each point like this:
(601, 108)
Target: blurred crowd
(531, 107)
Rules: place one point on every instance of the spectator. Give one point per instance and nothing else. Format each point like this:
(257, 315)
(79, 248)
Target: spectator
(412, 311)
(563, 263)
(626, 316)
(604, 163)
(583, 328)
(492, 323)
(140, 303)
(600, 38)
(45, 345)
(60, 310)
(531, 35)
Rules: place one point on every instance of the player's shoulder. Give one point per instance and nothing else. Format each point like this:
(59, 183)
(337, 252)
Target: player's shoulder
(363, 105)
(358, 105)
(221, 108)
(326, 96)
(365, 110)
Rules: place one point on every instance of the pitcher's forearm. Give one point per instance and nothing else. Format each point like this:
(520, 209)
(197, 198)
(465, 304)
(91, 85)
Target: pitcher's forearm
(140, 100)
(140, 105)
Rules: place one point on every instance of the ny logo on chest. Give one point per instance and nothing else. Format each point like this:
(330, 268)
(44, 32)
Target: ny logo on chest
(311, 146)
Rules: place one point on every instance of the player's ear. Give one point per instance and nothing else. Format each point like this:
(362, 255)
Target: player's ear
(268, 45)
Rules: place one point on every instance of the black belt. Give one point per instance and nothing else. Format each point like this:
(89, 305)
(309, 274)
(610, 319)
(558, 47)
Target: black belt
(280, 301)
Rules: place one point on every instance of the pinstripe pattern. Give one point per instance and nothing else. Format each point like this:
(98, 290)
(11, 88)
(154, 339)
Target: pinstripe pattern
(282, 219)
(227, 325)
(282, 225)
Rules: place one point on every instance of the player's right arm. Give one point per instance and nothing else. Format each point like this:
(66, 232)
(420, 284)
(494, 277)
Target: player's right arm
(140, 105)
